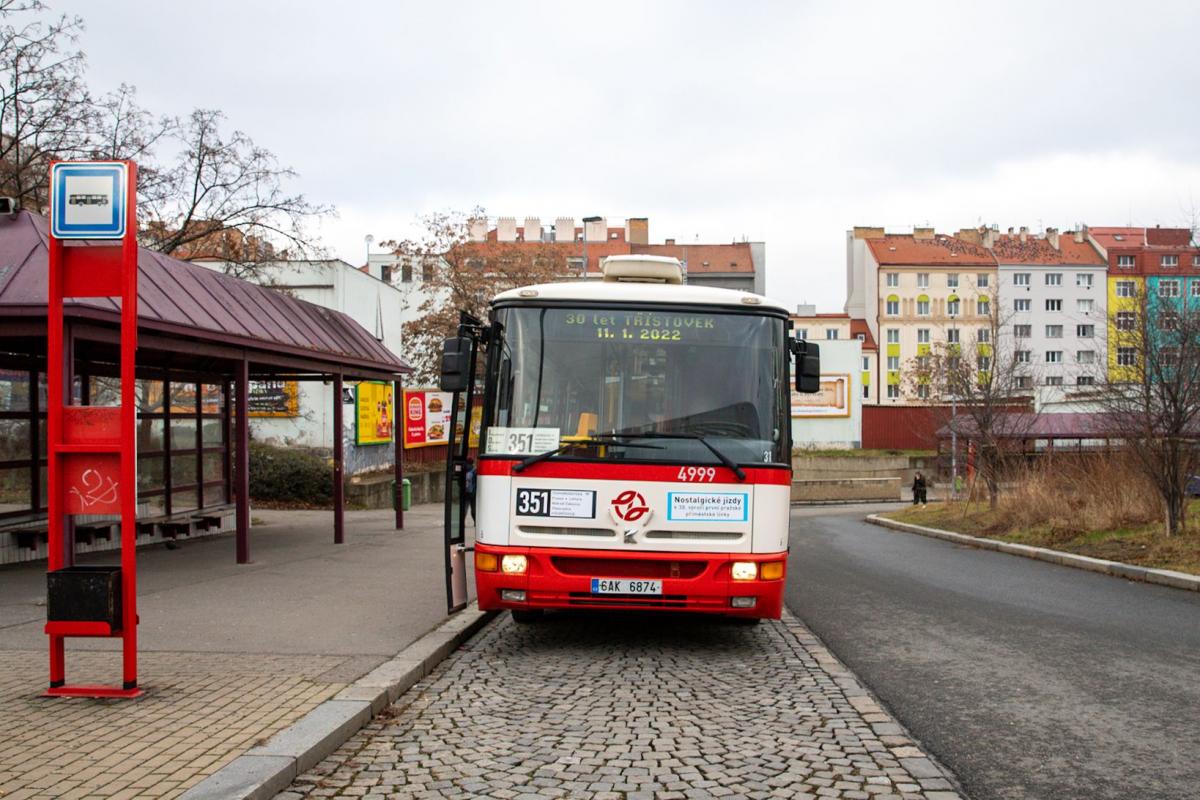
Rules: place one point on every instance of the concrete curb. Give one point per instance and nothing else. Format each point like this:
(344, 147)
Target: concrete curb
(1118, 569)
(268, 769)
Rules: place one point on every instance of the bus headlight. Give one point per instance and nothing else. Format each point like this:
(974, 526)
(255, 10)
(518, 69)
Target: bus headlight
(486, 562)
(513, 565)
(744, 571)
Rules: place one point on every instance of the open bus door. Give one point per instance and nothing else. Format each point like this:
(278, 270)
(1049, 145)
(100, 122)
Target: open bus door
(459, 361)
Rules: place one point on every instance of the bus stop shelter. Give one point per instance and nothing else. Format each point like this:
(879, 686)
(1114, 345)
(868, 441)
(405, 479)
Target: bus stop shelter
(203, 337)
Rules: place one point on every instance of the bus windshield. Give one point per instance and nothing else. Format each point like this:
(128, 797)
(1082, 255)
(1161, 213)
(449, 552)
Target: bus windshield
(582, 374)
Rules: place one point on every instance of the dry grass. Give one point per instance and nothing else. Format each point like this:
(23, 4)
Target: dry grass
(1097, 507)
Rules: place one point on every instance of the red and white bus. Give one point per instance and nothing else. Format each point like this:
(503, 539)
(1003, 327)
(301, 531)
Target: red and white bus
(635, 445)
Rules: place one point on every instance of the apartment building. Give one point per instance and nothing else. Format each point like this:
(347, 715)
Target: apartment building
(1161, 264)
(1052, 306)
(825, 327)
(914, 291)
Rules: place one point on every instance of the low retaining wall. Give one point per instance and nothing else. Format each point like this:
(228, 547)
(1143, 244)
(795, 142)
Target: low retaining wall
(845, 490)
(375, 491)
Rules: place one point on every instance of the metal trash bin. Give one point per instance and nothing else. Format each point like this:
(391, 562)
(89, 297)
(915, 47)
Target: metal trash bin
(84, 594)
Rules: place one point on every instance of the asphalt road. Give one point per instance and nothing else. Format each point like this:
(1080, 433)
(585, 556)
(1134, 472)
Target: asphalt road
(1027, 679)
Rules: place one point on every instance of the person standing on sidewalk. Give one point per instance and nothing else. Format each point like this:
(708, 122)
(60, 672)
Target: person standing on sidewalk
(919, 489)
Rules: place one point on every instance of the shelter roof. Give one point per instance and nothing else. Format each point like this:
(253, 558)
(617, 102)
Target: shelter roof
(186, 300)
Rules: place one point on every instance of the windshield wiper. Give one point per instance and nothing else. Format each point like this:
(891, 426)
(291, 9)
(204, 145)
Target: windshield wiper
(724, 459)
(529, 461)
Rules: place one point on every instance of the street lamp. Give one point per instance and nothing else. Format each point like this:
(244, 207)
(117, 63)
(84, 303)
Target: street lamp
(368, 239)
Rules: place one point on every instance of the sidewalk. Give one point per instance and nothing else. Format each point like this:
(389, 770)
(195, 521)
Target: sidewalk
(229, 654)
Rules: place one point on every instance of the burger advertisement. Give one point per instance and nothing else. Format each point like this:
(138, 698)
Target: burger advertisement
(427, 419)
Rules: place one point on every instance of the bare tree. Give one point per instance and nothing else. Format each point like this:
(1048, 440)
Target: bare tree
(46, 112)
(1152, 399)
(226, 197)
(979, 388)
(460, 274)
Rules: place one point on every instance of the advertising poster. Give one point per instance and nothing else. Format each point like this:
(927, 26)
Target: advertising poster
(274, 399)
(833, 400)
(426, 417)
(374, 413)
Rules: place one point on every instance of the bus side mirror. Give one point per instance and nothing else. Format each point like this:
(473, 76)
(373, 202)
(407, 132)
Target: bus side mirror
(456, 364)
(808, 367)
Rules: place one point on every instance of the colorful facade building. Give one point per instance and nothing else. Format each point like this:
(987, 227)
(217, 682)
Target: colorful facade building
(1147, 268)
(824, 327)
(914, 291)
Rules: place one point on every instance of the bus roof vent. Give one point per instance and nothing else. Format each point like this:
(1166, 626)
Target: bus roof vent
(642, 269)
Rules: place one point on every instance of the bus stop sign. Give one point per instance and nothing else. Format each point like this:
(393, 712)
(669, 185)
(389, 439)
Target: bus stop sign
(89, 199)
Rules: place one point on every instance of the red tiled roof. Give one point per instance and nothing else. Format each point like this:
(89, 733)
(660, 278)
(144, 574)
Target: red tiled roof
(734, 257)
(858, 326)
(941, 250)
(1130, 237)
(1169, 237)
(1009, 249)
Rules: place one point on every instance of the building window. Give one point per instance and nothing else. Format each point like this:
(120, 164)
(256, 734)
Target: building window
(1085, 380)
(1196, 261)
(1054, 331)
(1085, 357)
(1024, 382)
(893, 391)
(1083, 280)
(406, 273)
(1021, 279)
(866, 391)
(801, 333)
(981, 306)
(866, 363)
(831, 333)
(1195, 288)
(427, 271)
(893, 363)
(952, 279)
(893, 336)
(952, 307)
(984, 336)
(954, 363)
(923, 391)
(1126, 289)
(1125, 320)
(1054, 279)
(923, 307)
(893, 279)
(1054, 356)
(1022, 331)
(1169, 261)
(952, 336)
(1085, 331)
(862, 337)
(1168, 288)
(922, 335)
(981, 281)
(984, 363)
(1024, 304)
(922, 280)
(893, 307)
(1126, 357)
(1085, 305)
(1125, 262)
(1054, 304)
(1168, 321)
(1022, 356)
(1054, 380)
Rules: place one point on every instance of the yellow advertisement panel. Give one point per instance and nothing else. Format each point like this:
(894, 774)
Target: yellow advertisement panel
(375, 413)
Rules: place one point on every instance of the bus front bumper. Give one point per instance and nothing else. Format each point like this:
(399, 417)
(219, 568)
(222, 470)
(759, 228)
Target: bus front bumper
(696, 582)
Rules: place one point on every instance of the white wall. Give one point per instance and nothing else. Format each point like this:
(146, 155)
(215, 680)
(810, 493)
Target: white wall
(838, 357)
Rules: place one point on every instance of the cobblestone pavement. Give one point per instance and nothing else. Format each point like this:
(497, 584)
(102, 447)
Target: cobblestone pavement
(201, 710)
(633, 707)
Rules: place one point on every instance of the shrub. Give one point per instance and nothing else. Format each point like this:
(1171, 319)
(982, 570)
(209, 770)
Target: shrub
(1073, 494)
(290, 475)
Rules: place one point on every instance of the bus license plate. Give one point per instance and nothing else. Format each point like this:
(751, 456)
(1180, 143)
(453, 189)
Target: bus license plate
(625, 586)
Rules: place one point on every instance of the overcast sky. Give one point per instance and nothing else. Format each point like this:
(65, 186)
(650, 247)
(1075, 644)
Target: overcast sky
(784, 122)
